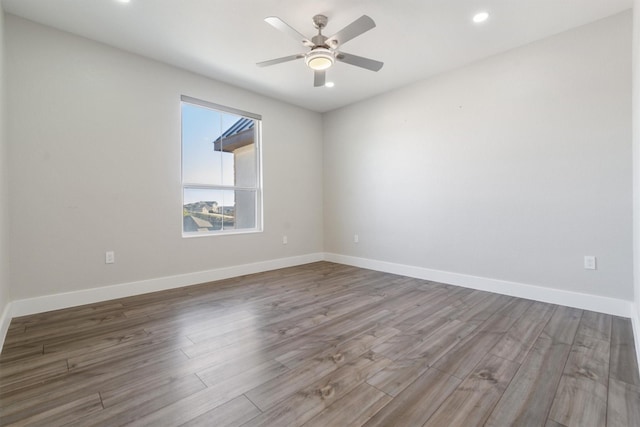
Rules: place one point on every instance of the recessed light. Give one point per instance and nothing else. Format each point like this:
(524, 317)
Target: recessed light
(123, 1)
(480, 17)
(329, 84)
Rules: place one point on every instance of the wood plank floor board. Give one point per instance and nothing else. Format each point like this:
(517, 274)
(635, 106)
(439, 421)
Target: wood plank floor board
(29, 366)
(197, 404)
(286, 322)
(41, 408)
(233, 373)
(271, 392)
(80, 312)
(233, 413)
(516, 307)
(132, 393)
(471, 403)
(422, 308)
(595, 325)
(318, 347)
(417, 403)
(623, 365)
(33, 375)
(520, 338)
(64, 414)
(400, 344)
(354, 409)
(482, 310)
(201, 320)
(530, 394)
(589, 358)
(394, 378)
(313, 398)
(293, 315)
(60, 336)
(21, 352)
(319, 344)
(623, 404)
(136, 405)
(563, 325)
(461, 360)
(347, 326)
(250, 353)
(86, 342)
(441, 341)
(90, 379)
(581, 398)
(313, 319)
(286, 349)
(580, 402)
(125, 351)
(73, 326)
(409, 311)
(336, 331)
(215, 343)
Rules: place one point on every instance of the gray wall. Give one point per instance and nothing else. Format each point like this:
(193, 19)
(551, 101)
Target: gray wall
(636, 158)
(95, 156)
(512, 168)
(4, 188)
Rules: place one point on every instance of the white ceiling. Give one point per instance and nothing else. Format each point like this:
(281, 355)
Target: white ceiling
(224, 39)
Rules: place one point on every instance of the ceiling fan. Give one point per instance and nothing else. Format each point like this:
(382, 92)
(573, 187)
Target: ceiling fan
(324, 51)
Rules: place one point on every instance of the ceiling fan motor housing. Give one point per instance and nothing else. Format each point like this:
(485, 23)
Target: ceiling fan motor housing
(320, 21)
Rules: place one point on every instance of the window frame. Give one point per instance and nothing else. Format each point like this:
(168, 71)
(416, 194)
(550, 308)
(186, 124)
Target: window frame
(259, 227)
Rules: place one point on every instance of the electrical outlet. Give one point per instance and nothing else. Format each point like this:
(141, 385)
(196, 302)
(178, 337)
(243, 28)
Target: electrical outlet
(285, 240)
(356, 238)
(589, 262)
(109, 257)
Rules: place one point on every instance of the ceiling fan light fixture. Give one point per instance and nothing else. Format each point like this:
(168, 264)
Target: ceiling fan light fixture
(319, 59)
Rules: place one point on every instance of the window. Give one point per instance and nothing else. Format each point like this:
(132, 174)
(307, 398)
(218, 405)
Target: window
(221, 179)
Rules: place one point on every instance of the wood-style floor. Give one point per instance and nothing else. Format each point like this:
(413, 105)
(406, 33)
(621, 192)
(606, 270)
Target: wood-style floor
(320, 345)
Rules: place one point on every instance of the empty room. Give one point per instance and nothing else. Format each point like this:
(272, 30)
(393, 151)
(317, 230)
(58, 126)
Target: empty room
(331, 213)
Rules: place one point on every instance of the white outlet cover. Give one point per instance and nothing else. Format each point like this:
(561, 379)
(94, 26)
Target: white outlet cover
(589, 262)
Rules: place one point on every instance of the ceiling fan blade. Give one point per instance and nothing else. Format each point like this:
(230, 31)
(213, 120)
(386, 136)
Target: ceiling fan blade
(280, 60)
(319, 78)
(359, 61)
(357, 27)
(279, 24)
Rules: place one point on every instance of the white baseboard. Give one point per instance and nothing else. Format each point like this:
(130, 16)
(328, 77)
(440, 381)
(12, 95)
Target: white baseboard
(41, 304)
(614, 306)
(635, 322)
(5, 320)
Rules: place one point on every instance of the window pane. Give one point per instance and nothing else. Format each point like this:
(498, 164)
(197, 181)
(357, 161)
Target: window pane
(244, 212)
(238, 142)
(246, 171)
(202, 210)
(215, 210)
(201, 162)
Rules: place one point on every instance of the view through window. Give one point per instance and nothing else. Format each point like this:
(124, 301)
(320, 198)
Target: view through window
(220, 169)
